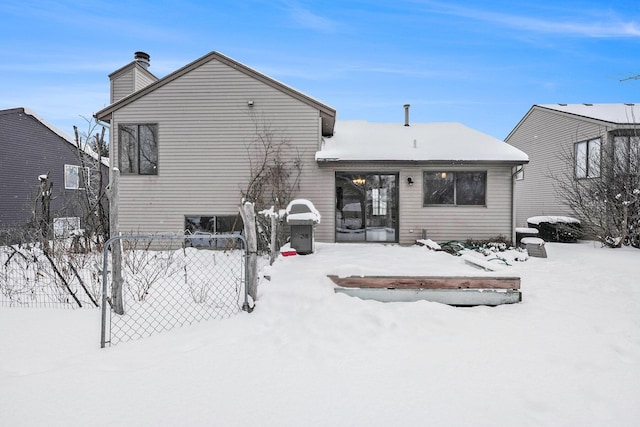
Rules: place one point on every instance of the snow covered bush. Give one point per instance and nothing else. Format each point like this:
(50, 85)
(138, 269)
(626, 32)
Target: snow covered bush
(607, 200)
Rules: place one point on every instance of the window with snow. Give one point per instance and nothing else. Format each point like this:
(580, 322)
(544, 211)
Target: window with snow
(455, 188)
(76, 177)
(587, 156)
(138, 149)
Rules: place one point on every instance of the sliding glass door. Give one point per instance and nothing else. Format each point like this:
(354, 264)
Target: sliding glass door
(366, 207)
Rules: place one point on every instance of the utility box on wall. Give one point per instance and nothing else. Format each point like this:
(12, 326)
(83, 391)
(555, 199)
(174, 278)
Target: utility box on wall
(302, 218)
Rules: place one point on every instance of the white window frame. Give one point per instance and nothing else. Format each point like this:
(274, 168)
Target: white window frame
(63, 226)
(626, 151)
(587, 158)
(72, 177)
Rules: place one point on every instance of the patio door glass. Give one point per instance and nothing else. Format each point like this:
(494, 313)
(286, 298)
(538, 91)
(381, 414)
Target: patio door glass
(366, 207)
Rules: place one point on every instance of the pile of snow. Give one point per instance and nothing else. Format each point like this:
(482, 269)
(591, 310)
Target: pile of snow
(567, 355)
(536, 220)
(429, 244)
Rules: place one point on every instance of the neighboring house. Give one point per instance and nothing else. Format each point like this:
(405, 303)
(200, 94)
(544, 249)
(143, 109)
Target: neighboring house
(566, 141)
(182, 145)
(30, 149)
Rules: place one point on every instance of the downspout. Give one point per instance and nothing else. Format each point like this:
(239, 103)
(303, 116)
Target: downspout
(514, 173)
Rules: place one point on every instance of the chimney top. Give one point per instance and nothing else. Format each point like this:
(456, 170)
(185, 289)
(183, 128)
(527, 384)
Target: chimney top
(142, 58)
(406, 114)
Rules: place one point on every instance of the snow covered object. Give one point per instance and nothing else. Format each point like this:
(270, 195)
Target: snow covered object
(302, 210)
(302, 218)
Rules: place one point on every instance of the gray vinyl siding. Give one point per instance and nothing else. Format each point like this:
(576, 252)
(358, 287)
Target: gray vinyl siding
(122, 84)
(548, 138)
(442, 223)
(142, 79)
(128, 80)
(204, 126)
(28, 149)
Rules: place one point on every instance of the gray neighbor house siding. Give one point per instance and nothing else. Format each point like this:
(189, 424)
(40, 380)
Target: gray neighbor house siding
(548, 134)
(207, 114)
(30, 148)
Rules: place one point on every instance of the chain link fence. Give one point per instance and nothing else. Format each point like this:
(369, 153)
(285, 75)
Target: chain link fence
(53, 274)
(170, 281)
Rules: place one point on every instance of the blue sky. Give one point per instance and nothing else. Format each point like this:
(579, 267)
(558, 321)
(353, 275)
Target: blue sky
(481, 63)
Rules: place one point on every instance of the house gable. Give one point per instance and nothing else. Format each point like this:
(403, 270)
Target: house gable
(327, 113)
(548, 133)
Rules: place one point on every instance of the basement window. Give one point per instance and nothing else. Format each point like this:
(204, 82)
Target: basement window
(206, 227)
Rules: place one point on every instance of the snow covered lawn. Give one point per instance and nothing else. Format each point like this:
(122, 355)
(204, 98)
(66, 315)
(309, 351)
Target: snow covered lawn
(567, 355)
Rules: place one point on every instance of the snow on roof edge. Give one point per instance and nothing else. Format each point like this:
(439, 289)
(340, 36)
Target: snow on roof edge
(86, 149)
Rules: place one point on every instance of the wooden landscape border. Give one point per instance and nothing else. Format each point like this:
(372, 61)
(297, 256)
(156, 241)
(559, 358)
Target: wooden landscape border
(427, 282)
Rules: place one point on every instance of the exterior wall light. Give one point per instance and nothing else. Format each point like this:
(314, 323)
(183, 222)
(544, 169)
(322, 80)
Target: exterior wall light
(410, 181)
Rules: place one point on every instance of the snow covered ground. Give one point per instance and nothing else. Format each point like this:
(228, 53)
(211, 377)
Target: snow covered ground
(568, 355)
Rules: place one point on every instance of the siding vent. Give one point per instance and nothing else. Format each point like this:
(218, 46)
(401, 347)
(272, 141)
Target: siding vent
(406, 114)
(142, 58)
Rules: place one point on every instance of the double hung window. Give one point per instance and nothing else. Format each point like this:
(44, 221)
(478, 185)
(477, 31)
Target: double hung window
(138, 149)
(626, 151)
(455, 188)
(587, 156)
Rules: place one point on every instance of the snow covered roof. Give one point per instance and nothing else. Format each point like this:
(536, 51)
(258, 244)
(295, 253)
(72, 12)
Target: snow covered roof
(614, 113)
(356, 140)
(86, 149)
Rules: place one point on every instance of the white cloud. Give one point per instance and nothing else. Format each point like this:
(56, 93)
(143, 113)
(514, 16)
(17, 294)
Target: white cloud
(584, 23)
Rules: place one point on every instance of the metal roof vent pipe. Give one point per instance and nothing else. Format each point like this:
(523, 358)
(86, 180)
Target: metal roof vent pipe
(406, 114)
(142, 58)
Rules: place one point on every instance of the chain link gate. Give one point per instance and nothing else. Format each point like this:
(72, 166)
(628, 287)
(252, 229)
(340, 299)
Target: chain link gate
(169, 281)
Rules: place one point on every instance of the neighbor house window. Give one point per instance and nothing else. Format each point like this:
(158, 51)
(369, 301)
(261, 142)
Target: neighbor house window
(75, 177)
(587, 155)
(138, 149)
(627, 154)
(455, 188)
(64, 226)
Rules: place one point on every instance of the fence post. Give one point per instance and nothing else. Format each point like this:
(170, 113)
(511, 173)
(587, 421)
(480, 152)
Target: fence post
(248, 214)
(274, 238)
(116, 247)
